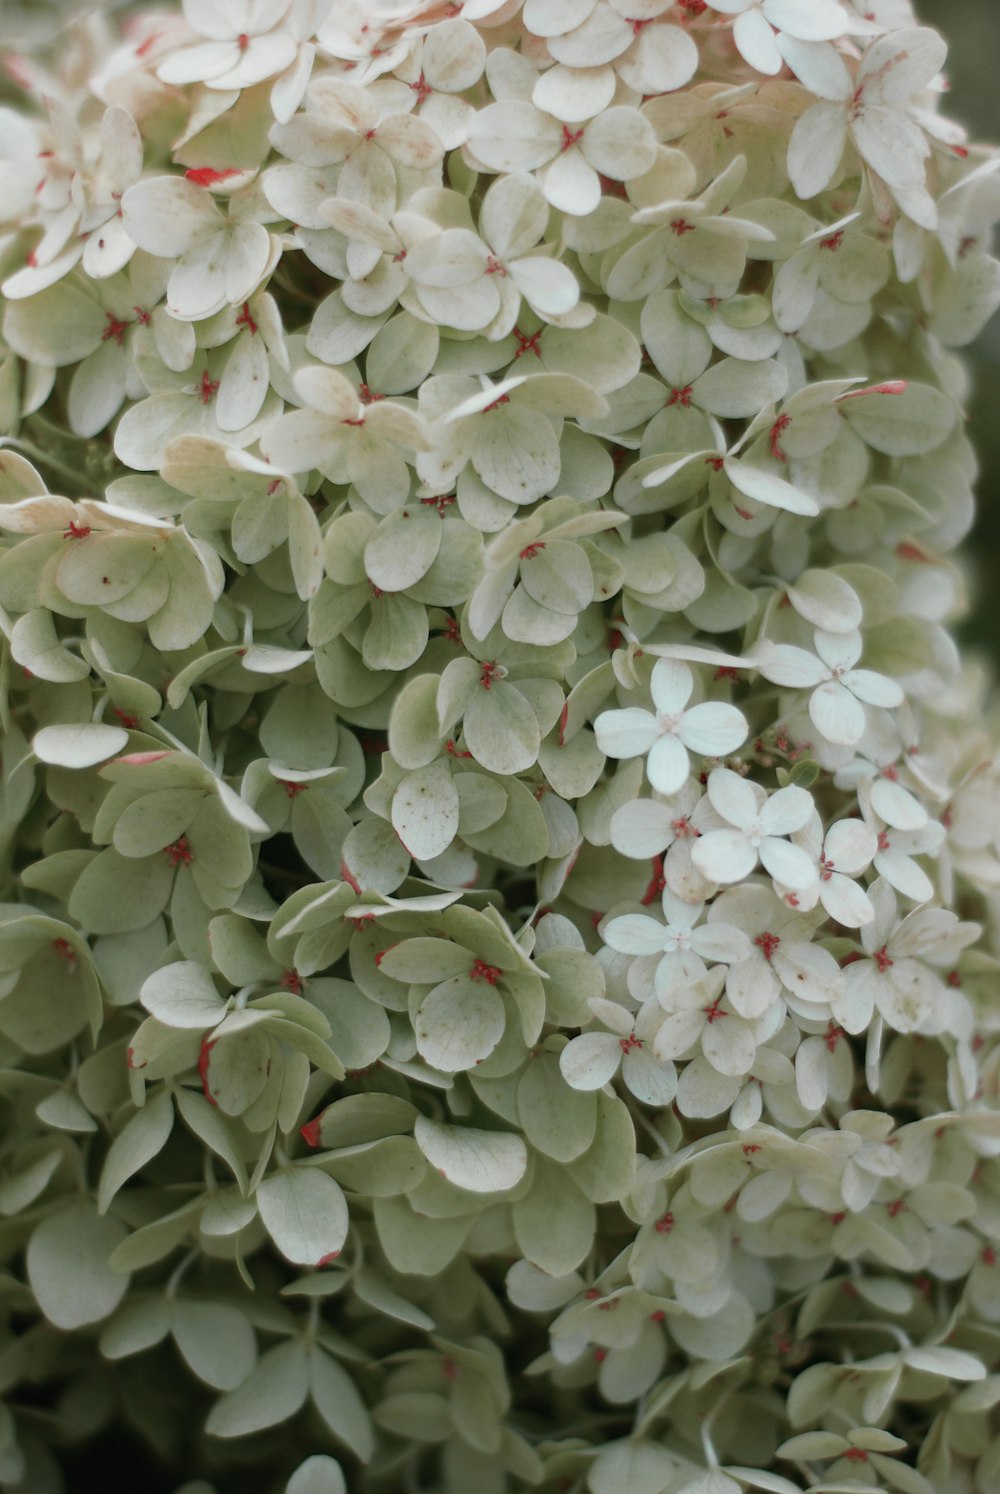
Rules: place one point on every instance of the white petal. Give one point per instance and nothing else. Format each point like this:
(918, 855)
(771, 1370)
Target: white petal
(896, 805)
(873, 689)
(850, 845)
(721, 941)
(665, 58)
(732, 797)
(846, 901)
(167, 214)
(513, 136)
(652, 1082)
(788, 865)
(549, 287)
(785, 664)
(590, 1060)
(767, 487)
(626, 733)
(816, 147)
(756, 41)
(905, 875)
(670, 685)
(571, 184)
(713, 728)
(667, 764)
(641, 829)
(838, 650)
(901, 64)
(573, 94)
(724, 856)
(892, 144)
(786, 811)
(635, 934)
(679, 1032)
(729, 1046)
(817, 20)
(835, 713)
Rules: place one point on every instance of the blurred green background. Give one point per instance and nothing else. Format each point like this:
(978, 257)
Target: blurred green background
(972, 30)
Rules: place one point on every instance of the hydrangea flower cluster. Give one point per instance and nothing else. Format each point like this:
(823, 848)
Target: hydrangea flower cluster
(499, 967)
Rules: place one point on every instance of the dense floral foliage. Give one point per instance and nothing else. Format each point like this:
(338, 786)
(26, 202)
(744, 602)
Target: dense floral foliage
(500, 960)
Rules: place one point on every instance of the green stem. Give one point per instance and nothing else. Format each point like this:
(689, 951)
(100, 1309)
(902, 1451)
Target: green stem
(29, 449)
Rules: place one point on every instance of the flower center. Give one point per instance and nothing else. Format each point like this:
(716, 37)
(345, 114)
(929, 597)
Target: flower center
(882, 960)
(569, 139)
(488, 973)
(767, 944)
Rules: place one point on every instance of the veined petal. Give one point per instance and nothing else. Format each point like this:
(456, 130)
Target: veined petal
(813, 20)
(635, 934)
(166, 215)
(785, 664)
(670, 685)
(788, 865)
(892, 144)
(626, 733)
(667, 764)
(724, 856)
(590, 1060)
(786, 811)
(678, 1034)
(728, 1044)
(571, 184)
(874, 689)
(641, 828)
(903, 873)
(756, 41)
(834, 711)
(713, 728)
(846, 901)
(816, 147)
(513, 136)
(651, 1081)
(722, 942)
(850, 846)
(901, 64)
(734, 798)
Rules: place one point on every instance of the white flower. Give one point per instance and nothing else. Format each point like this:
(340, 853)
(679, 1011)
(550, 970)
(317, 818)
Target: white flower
(840, 858)
(782, 955)
(514, 136)
(682, 945)
(704, 1020)
(895, 849)
(503, 429)
(444, 63)
(838, 688)
(221, 258)
(757, 21)
(246, 42)
(712, 729)
(591, 1060)
(345, 126)
(891, 980)
(760, 824)
(347, 439)
(649, 56)
(870, 109)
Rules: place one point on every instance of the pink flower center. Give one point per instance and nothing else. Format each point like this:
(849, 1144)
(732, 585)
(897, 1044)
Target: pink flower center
(767, 944)
(882, 960)
(481, 971)
(179, 852)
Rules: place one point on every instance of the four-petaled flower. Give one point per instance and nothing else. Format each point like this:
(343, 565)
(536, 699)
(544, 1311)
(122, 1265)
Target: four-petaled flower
(711, 729)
